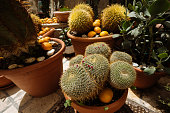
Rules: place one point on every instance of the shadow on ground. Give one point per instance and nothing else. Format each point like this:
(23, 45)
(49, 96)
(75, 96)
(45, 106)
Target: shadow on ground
(157, 96)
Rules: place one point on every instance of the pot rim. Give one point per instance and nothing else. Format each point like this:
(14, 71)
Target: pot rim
(62, 12)
(124, 96)
(89, 39)
(37, 65)
(141, 71)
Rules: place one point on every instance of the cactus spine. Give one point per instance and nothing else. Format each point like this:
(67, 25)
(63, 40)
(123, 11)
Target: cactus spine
(85, 7)
(112, 16)
(122, 56)
(122, 75)
(76, 60)
(17, 30)
(80, 21)
(98, 48)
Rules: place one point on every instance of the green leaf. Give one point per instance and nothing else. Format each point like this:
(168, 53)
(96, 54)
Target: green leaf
(130, 6)
(163, 55)
(155, 21)
(133, 87)
(132, 14)
(159, 6)
(123, 31)
(146, 13)
(137, 31)
(106, 108)
(116, 35)
(150, 70)
(67, 103)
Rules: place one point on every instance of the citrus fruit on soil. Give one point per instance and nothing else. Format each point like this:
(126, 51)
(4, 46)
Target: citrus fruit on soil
(106, 95)
(46, 46)
(91, 34)
(96, 24)
(97, 29)
(104, 33)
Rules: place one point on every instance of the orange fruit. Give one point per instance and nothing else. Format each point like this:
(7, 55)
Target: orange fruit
(91, 34)
(46, 39)
(46, 29)
(46, 46)
(97, 29)
(96, 24)
(104, 33)
(41, 40)
(97, 20)
(41, 32)
(106, 95)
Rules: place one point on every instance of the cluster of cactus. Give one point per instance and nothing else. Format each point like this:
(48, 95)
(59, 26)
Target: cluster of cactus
(87, 75)
(98, 48)
(81, 19)
(17, 31)
(112, 16)
(85, 80)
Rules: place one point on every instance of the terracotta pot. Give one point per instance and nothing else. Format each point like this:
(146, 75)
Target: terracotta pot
(145, 81)
(39, 79)
(113, 107)
(49, 33)
(79, 43)
(5, 83)
(62, 16)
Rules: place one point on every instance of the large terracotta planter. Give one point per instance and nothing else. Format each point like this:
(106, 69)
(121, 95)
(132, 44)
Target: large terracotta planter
(80, 44)
(145, 81)
(113, 107)
(5, 83)
(62, 16)
(39, 79)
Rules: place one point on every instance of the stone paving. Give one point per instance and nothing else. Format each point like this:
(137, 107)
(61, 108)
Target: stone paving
(15, 100)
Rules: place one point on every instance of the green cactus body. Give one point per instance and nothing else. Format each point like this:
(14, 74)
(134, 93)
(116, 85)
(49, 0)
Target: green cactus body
(98, 48)
(122, 75)
(85, 7)
(77, 84)
(85, 81)
(112, 16)
(80, 21)
(98, 67)
(122, 56)
(17, 30)
(76, 60)
(36, 21)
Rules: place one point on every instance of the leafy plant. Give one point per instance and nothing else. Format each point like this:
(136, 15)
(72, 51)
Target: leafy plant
(146, 35)
(64, 9)
(64, 37)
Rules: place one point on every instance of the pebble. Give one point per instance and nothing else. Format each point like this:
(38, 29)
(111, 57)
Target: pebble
(39, 59)
(97, 36)
(30, 60)
(20, 65)
(84, 36)
(50, 52)
(135, 65)
(12, 66)
(53, 42)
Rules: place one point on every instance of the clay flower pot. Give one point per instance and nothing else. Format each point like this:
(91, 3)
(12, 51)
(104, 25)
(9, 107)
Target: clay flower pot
(49, 33)
(145, 81)
(80, 44)
(62, 16)
(113, 107)
(39, 79)
(5, 83)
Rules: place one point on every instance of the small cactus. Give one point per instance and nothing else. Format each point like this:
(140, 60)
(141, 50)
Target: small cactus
(122, 75)
(85, 7)
(122, 56)
(98, 48)
(76, 60)
(80, 21)
(112, 16)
